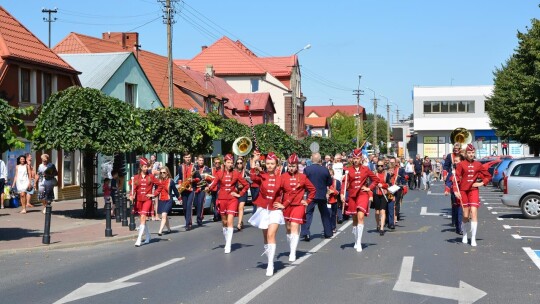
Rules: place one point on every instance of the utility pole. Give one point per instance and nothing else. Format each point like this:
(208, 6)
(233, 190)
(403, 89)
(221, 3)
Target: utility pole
(388, 145)
(359, 118)
(49, 20)
(168, 19)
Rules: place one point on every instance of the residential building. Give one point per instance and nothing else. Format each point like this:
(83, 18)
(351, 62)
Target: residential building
(438, 110)
(29, 73)
(318, 118)
(248, 73)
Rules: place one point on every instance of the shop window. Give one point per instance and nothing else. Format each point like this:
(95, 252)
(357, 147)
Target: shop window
(69, 168)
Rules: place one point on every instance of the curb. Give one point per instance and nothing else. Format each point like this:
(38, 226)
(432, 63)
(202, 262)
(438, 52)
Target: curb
(66, 246)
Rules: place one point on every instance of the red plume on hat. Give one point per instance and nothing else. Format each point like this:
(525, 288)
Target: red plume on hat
(293, 159)
(357, 153)
(271, 156)
(228, 157)
(143, 161)
(470, 147)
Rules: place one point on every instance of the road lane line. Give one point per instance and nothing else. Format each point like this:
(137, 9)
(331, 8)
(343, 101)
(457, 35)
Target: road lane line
(533, 255)
(150, 269)
(507, 227)
(516, 236)
(528, 227)
(266, 284)
(528, 237)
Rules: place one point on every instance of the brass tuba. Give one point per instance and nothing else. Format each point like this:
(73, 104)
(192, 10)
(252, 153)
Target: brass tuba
(461, 136)
(242, 146)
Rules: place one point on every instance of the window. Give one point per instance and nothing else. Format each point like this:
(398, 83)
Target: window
(254, 85)
(25, 85)
(47, 86)
(68, 168)
(131, 94)
(460, 106)
(526, 170)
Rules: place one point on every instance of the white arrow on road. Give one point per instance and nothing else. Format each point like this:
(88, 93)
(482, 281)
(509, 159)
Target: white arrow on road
(464, 294)
(423, 211)
(92, 289)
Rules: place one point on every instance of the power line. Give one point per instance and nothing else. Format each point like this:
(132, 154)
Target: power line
(95, 16)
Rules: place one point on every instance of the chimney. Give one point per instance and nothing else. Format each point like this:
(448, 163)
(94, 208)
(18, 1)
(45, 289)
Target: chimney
(209, 70)
(204, 47)
(126, 39)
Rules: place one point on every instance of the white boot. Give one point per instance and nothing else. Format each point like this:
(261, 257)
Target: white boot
(228, 240)
(147, 232)
(141, 231)
(354, 230)
(293, 244)
(465, 232)
(359, 231)
(271, 251)
(474, 226)
(289, 239)
(225, 234)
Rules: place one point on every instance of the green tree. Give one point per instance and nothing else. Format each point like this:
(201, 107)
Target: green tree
(382, 124)
(87, 120)
(11, 122)
(343, 128)
(271, 138)
(231, 129)
(327, 145)
(514, 106)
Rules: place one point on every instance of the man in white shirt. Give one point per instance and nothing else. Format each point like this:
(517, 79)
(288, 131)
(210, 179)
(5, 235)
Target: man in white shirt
(3, 179)
(409, 170)
(337, 166)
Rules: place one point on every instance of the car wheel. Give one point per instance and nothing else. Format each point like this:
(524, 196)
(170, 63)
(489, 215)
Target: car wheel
(530, 206)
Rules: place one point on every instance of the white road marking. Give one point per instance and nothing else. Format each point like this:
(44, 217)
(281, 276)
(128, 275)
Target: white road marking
(526, 227)
(423, 211)
(259, 289)
(509, 218)
(494, 212)
(465, 293)
(516, 236)
(532, 254)
(528, 237)
(92, 289)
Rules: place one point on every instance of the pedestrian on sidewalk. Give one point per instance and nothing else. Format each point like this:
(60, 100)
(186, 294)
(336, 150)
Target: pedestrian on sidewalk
(107, 191)
(166, 188)
(141, 193)
(21, 181)
(32, 177)
(3, 179)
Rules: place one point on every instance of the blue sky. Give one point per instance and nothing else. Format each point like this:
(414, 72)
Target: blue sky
(393, 44)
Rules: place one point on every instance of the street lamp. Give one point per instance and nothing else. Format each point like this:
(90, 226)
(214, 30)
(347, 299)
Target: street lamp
(308, 46)
(375, 145)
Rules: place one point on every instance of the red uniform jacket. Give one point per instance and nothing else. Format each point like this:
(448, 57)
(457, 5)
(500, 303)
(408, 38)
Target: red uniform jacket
(270, 189)
(186, 171)
(293, 188)
(382, 176)
(355, 179)
(467, 172)
(164, 189)
(227, 184)
(143, 186)
(332, 197)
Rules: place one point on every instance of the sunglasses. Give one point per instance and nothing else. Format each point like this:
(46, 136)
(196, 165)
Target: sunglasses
(380, 166)
(239, 163)
(163, 172)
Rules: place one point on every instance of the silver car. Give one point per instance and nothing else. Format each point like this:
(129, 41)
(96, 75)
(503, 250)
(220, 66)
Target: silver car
(522, 186)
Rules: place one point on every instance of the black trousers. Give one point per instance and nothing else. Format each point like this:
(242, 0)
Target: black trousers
(325, 218)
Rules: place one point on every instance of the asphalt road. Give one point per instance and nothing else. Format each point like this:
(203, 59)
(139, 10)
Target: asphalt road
(422, 261)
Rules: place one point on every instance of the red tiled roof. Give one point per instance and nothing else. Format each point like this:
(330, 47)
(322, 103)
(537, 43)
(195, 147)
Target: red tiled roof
(259, 101)
(329, 111)
(181, 62)
(278, 66)
(214, 85)
(18, 43)
(154, 66)
(317, 122)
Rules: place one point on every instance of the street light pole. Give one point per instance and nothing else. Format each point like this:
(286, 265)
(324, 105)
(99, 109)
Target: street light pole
(296, 98)
(388, 145)
(375, 144)
(359, 118)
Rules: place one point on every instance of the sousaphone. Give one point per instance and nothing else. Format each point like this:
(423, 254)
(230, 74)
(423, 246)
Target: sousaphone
(461, 136)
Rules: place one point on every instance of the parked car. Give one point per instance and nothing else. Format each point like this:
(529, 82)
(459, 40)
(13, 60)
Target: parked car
(497, 175)
(521, 187)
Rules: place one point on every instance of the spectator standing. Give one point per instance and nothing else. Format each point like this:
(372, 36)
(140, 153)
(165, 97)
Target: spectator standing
(426, 172)
(409, 170)
(21, 181)
(320, 177)
(32, 177)
(107, 191)
(504, 146)
(337, 167)
(3, 179)
(417, 171)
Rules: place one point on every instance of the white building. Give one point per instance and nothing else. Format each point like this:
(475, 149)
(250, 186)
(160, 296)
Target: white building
(439, 110)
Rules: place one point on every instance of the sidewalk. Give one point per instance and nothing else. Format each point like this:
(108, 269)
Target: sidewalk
(24, 232)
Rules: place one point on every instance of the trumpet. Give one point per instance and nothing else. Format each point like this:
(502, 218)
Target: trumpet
(242, 146)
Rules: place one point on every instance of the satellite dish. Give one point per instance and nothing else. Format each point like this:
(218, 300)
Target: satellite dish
(314, 147)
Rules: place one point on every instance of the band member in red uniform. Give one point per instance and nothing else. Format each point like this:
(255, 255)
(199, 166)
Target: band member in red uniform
(216, 168)
(467, 173)
(166, 188)
(450, 158)
(269, 214)
(186, 172)
(295, 199)
(227, 198)
(142, 186)
(380, 197)
(356, 187)
(201, 178)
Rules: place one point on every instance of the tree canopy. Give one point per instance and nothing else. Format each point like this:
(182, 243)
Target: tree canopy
(11, 122)
(271, 138)
(514, 106)
(85, 119)
(230, 130)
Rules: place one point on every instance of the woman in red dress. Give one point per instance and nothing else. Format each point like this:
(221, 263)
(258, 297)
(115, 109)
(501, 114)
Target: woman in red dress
(227, 197)
(141, 193)
(269, 214)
